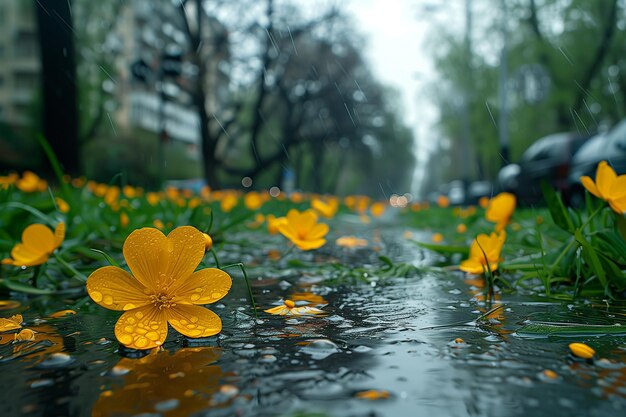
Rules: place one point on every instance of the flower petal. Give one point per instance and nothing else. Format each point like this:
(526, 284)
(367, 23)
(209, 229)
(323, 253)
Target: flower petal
(115, 289)
(619, 205)
(8, 324)
(59, 234)
(27, 256)
(39, 238)
(318, 231)
(185, 249)
(194, 321)
(618, 189)
(142, 328)
(590, 185)
(309, 244)
(203, 287)
(473, 266)
(605, 176)
(280, 310)
(145, 253)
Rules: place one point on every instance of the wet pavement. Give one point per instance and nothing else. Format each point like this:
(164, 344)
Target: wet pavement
(384, 347)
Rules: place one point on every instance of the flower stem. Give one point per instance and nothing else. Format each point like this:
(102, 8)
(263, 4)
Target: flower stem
(245, 276)
(79, 276)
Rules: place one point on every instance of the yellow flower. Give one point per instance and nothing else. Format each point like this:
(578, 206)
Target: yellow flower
(437, 238)
(303, 230)
(124, 220)
(228, 203)
(253, 200)
(326, 209)
(130, 191)
(443, 201)
(491, 245)
(8, 180)
(608, 186)
(158, 224)
(30, 182)
(500, 209)
(296, 197)
(289, 308)
(163, 288)
(273, 223)
(377, 209)
(62, 205)
(351, 242)
(153, 198)
(38, 243)
(483, 202)
(12, 323)
(461, 228)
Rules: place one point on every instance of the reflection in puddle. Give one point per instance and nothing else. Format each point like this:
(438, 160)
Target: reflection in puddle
(172, 384)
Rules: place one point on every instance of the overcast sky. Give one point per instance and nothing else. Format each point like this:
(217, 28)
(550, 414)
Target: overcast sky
(396, 50)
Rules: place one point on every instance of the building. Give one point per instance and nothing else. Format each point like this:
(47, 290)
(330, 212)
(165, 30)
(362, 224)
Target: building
(19, 62)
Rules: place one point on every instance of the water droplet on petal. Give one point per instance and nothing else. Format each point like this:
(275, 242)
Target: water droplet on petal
(108, 300)
(129, 306)
(126, 339)
(154, 336)
(96, 296)
(141, 342)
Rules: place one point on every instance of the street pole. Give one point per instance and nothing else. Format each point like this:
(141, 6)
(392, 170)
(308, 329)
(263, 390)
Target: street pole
(467, 93)
(503, 116)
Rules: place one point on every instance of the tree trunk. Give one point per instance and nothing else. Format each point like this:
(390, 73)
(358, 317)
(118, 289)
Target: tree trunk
(58, 80)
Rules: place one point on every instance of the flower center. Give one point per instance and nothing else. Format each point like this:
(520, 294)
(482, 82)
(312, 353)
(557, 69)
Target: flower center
(161, 301)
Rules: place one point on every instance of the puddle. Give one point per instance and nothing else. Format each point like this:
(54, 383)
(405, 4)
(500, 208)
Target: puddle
(401, 347)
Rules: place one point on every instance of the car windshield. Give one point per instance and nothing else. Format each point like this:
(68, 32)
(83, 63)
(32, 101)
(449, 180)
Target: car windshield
(591, 149)
(547, 148)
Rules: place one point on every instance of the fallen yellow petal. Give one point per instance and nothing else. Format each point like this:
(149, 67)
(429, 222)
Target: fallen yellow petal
(581, 350)
(25, 335)
(373, 395)
(62, 313)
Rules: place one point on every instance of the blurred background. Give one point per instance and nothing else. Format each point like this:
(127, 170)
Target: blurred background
(462, 98)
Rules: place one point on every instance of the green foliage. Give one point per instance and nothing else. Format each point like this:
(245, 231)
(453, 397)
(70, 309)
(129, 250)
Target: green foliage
(572, 50)
(135, 158)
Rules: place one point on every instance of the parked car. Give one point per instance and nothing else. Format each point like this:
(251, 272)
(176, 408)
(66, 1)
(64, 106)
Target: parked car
(548, 159)
(610, 147)
(478, 189)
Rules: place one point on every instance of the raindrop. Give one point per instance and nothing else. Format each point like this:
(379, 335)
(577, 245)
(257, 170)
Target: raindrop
(362, 349)
(274, 191)
(41, 383)
(268, 359)
(166, 405)
(118, 371)
(320, 349)
(373, 320)
(56, 360)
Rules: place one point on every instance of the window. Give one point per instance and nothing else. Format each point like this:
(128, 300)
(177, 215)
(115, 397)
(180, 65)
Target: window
(25, 45)
(25, 80)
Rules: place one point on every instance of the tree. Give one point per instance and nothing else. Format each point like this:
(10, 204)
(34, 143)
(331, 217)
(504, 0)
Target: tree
(566, 71)
(58, 68)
